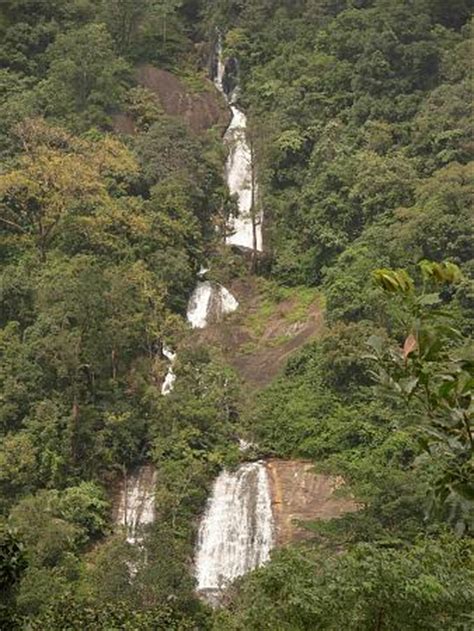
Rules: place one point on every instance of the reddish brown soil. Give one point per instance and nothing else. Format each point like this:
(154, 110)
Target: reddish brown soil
(260, 367)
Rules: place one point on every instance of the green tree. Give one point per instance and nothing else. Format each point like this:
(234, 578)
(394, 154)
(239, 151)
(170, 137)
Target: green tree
(428, 586)
(12, 567)
(85, 505)
(56, 176)
(432, 372)
(85, 78)
(126, 18)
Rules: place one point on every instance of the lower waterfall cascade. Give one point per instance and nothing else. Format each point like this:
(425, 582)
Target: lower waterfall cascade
(236, 533)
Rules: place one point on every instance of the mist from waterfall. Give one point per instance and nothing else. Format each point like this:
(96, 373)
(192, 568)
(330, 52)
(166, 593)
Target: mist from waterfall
(236, 533)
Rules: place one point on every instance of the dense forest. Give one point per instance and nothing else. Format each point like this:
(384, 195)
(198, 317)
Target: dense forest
(359, 123)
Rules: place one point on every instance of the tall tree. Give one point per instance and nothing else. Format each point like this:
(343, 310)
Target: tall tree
(56, 175)
(85, 75)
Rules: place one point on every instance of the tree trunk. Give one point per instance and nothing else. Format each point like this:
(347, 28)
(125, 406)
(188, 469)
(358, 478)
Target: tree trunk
(114, 364)
(379, 622)
(253, 209)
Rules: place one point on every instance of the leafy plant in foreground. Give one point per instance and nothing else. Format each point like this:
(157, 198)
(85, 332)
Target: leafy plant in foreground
(433, 373)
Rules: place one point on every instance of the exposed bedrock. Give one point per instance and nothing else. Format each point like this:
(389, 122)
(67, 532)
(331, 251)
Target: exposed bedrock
(200, 110)
(298, 494)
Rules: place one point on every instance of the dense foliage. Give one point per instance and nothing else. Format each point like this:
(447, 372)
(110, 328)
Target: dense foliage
(360, 125)
(101, 237)
(366, 588)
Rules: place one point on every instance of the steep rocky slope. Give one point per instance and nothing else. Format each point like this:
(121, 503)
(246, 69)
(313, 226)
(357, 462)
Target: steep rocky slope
(269, 326)
(299, 494)
(200, 106)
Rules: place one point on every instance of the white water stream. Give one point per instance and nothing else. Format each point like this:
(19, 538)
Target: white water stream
(247, 226)
(209, 302)
(168, 383)
(236, 532)
(136, 508)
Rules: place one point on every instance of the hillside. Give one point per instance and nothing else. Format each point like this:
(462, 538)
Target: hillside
(296, 454)
(270, 324)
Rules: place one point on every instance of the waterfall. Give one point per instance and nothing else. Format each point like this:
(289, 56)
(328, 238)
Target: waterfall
(236, 531)
(168, 383)
(220, 71)
(198, 305)
(136, 508)
(209, 302)
(239, 175)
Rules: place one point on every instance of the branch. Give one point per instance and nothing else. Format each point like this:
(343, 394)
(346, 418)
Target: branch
(468, 429)
(13, 225)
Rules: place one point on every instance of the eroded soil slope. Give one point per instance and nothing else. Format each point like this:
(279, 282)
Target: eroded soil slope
(270, 324)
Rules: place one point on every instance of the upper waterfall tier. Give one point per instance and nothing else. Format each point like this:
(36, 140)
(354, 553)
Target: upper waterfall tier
(246, 228)
(236, 532)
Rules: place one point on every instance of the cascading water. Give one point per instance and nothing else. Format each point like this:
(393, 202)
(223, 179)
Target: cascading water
(209, 302)
(168, 383)
(236, 532)
(198, 305)
(220, 68)
(136, 508)
(247, 226)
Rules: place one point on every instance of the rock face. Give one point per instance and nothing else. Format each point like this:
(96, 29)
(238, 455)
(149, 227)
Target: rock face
(255, 508)
(135, 504)
(201, 110)
(299, 494)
